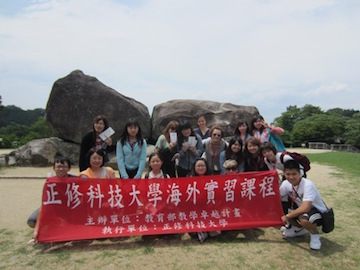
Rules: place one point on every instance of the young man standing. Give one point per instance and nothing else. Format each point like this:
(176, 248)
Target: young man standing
(306, 205)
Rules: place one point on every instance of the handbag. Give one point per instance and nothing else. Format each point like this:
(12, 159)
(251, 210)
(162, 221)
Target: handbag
(328, 220)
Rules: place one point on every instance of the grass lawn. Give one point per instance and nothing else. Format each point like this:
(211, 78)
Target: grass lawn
(250, 249)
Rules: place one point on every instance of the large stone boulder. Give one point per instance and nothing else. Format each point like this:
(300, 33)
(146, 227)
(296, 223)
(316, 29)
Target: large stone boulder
(77, 99)
(42, 152)
(226, 115)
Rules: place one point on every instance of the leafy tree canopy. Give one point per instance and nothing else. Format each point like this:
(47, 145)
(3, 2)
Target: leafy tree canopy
(294, 114)
(14, 115)
(319, 128)
(339, 111)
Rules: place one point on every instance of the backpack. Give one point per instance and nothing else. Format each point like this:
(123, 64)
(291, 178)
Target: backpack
(301, 159)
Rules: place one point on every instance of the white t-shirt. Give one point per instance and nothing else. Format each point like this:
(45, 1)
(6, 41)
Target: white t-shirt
(306, 191)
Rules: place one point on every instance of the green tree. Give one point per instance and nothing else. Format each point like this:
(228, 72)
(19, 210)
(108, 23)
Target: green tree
(288, 118)
(352, 130)
(318, 128)
(14, 115)
(42, 128)
(23, 134)
(342, 112)
(310, 110)
(12, 133)
(293, 115)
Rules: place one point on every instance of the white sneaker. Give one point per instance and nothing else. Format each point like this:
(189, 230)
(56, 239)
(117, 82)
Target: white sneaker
(315, 242)
(202, 236)
(215, 233)
(294, 232)
(284, 228)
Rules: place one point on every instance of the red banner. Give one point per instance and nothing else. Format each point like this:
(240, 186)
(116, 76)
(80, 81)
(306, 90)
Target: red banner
(78, 208)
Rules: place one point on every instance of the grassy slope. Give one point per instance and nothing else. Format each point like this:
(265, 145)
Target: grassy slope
(346, 162)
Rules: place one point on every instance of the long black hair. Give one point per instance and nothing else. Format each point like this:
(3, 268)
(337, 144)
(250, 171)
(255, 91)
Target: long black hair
(240, 123)
(99, 118)
(125, 134)
(229, 154)
(183, 126)
(255, 119)
(101, 152)
(193, 172)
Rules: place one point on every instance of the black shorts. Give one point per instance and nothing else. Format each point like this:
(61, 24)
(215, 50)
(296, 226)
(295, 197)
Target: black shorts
(313, 216)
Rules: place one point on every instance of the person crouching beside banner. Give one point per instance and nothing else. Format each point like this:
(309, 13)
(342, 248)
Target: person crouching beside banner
(306, 205)
(61, 168)
(95, 161)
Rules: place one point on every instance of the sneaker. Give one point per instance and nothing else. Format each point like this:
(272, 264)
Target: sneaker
(202, 236)
(315, 242)
(284, 228)
(215, 233)
(294, 232)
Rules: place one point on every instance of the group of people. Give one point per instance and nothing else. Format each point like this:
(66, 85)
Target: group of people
(184, 151)
(179, 155)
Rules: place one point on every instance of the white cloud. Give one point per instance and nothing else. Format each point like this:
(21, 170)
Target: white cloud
(328, 89)
(263, 53)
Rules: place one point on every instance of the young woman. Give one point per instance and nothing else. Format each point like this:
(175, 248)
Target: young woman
(155, 163)
(242, 131)
(92, 139)
(167, 148)
(202, 130)
(95, 161)
(275, 160)
(201, 168)
(253, 159)
(233, 152)
(189, 148)
(213, 148)
(261, 129)
(131, 151)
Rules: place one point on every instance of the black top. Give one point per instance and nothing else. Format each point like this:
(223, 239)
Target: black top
(88, 142)
(255, 164)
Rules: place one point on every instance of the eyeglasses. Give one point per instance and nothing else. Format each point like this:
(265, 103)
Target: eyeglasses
(200, 166)
(231, 169)
(216, 135)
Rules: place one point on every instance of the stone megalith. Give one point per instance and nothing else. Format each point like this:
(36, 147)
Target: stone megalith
(226, 115)
(42, 152)
(77, 99)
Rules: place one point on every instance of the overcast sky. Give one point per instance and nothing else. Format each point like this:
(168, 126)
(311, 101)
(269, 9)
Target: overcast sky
(263, 53)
